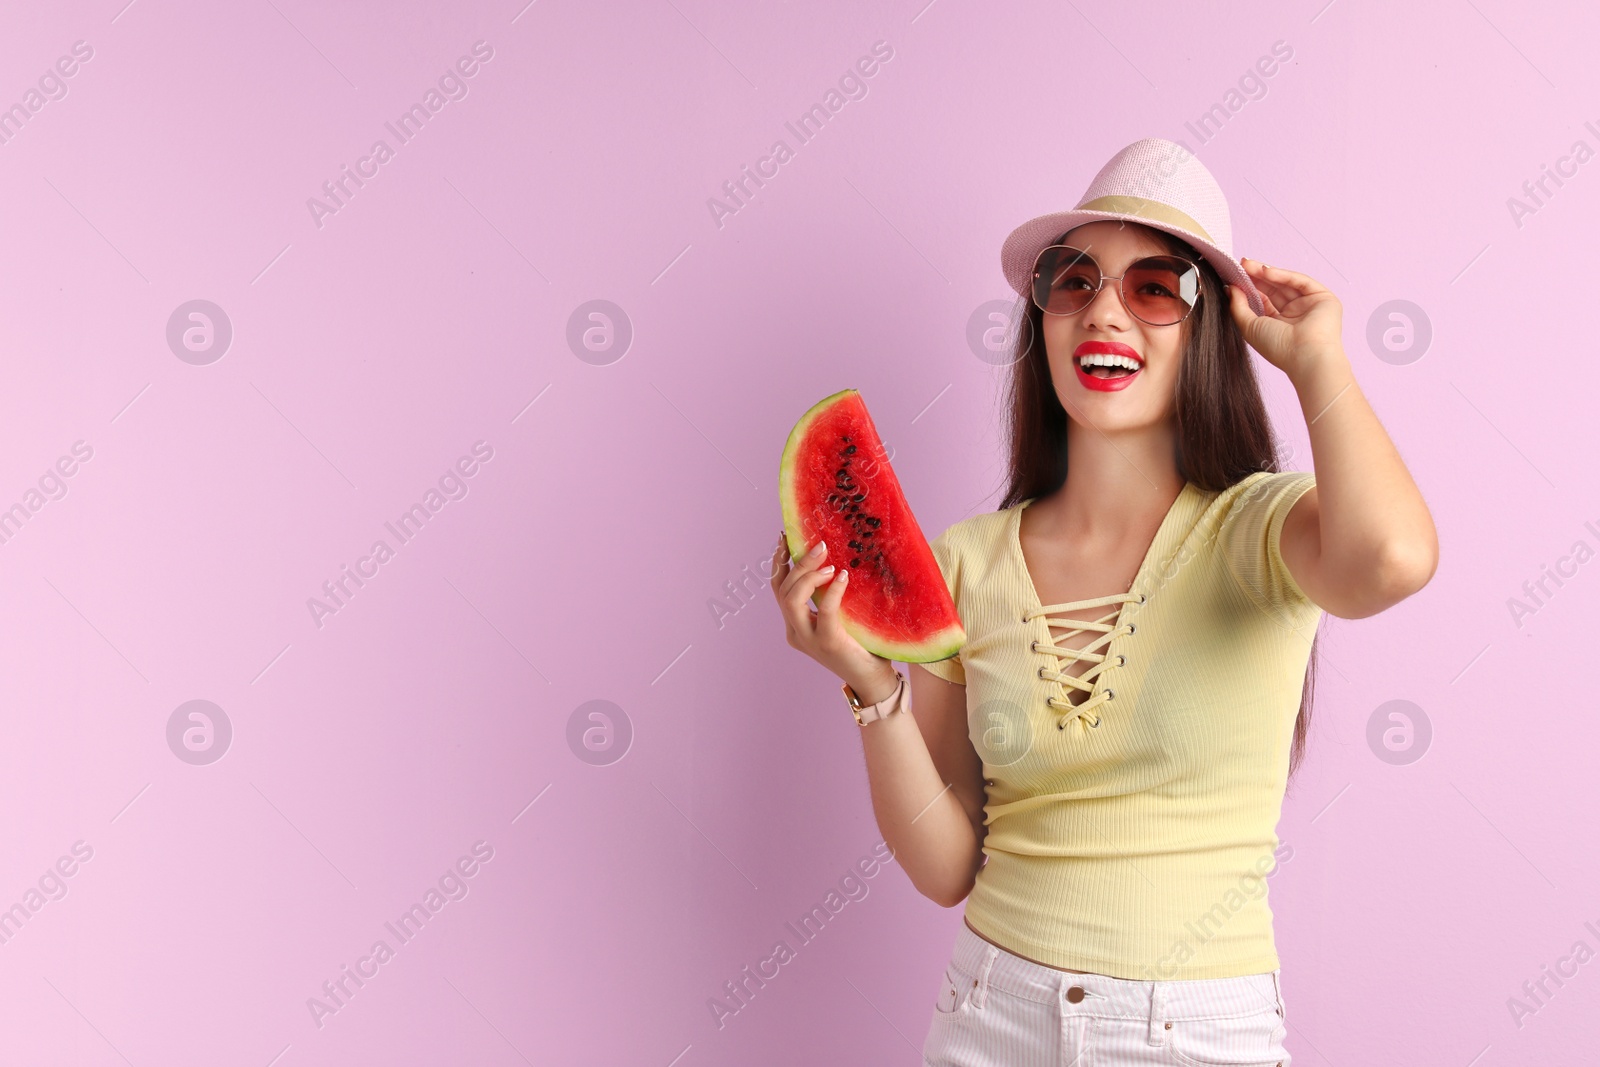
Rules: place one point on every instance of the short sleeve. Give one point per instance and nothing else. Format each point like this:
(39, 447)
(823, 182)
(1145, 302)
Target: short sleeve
(1250, 538)
(944, 553)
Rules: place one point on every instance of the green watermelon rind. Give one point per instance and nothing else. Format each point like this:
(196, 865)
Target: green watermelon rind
(940, 645)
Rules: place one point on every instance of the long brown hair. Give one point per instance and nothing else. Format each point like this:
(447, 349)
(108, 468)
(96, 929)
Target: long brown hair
(1223, 430)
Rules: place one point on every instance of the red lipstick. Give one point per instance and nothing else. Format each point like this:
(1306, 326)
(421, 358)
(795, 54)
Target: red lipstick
(1112, 348)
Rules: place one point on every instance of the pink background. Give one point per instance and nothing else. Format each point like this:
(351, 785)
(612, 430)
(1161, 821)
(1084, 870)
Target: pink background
(371, 752)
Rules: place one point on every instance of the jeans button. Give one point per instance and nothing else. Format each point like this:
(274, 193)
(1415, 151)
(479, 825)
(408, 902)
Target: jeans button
(1075, 994)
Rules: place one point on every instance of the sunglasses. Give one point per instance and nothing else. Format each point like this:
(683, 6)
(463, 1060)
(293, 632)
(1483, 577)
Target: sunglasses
(1158, 290)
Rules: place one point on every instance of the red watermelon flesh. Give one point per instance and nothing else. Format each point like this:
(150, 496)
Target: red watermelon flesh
(836, 485)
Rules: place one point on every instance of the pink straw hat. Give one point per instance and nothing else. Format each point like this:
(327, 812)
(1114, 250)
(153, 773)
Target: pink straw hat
(1154, 182)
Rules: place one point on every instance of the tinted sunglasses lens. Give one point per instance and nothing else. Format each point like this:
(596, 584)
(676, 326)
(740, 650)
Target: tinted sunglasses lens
(1065, 280)
(1161, 289)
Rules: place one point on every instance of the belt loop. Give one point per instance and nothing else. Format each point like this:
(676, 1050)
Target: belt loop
(1277, 991)
(981, 995)
(1158, 1014)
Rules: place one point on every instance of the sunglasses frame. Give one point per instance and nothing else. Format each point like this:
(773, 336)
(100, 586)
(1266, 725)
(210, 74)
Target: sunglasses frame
(1033, 294)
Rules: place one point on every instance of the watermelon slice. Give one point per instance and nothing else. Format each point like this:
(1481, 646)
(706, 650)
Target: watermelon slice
(836, 485)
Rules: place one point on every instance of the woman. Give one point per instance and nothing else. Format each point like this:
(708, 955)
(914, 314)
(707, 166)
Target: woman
(1100, 771)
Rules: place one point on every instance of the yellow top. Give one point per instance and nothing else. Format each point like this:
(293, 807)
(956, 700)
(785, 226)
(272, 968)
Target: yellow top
(1130, 834)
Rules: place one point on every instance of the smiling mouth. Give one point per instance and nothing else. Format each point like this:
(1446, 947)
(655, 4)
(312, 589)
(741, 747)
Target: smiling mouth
(1104, 365)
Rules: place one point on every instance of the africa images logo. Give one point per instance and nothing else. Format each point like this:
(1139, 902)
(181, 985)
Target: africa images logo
(453, 885)
(452, 85)
(452, 485)
(852, 86)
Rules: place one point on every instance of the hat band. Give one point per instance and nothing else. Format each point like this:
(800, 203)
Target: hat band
(1154, 210)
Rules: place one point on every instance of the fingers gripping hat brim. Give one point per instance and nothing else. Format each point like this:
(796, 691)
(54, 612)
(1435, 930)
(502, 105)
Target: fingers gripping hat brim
(1155, 183)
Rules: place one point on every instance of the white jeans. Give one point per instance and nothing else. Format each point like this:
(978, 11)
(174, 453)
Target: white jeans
(996, 1008)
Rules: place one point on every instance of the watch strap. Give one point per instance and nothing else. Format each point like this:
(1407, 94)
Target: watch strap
(889, 705)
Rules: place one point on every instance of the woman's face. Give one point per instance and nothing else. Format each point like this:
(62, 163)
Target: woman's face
(1147, 398)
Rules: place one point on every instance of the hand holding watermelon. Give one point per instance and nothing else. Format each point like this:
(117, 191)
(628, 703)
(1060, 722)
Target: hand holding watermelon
(820, 634)
(891, 601)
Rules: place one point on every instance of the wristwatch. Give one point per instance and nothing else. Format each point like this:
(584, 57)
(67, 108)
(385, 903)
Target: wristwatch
(894, 702)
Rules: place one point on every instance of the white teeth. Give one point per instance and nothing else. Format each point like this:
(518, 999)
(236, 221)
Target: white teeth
(1105, 359)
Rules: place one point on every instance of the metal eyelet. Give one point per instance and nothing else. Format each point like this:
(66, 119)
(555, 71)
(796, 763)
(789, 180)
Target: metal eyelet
(1095, 725)
(1121, 660)
(1142, 598)
(1033, 646)
(1132, 626)
(1061, 726)
(1111, 694)
(1040, 673)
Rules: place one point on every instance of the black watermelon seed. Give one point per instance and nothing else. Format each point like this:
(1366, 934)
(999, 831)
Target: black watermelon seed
(855, 562)
(873, 522)
(849, 450)
(859, 497)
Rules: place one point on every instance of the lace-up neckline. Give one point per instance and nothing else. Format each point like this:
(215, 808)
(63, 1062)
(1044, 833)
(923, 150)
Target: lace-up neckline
(1093, 652)
(1092, 681)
